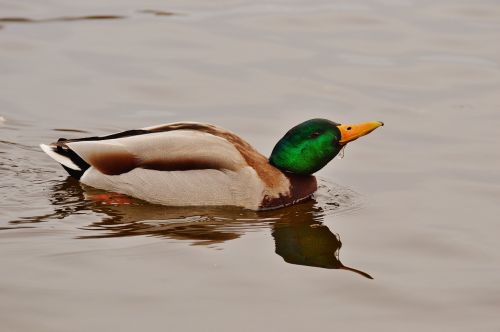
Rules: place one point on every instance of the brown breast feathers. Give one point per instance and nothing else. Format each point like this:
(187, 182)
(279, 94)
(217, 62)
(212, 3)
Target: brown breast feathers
(301, 188)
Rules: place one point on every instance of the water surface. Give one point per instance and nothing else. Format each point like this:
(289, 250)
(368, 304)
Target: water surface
(413, 205)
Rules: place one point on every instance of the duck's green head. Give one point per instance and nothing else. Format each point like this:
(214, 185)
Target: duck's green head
(309, 146)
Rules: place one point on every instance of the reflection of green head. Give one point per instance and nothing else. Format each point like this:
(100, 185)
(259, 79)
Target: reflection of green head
(307, 147)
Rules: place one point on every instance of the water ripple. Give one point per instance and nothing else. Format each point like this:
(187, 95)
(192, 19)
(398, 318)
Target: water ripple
(27, 20)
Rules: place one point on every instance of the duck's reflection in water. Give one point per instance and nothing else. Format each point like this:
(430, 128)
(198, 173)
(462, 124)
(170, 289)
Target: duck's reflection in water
(310, 244)
(299, 234)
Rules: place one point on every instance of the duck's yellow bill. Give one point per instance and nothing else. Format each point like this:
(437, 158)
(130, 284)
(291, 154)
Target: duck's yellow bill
(351, 132)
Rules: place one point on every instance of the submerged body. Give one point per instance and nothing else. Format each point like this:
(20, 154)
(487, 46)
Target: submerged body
(182, 164)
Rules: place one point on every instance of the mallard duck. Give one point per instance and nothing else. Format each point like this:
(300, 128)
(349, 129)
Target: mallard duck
(188, 163)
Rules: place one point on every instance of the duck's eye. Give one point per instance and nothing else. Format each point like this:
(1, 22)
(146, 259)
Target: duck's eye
(315, 134)
(349, 128)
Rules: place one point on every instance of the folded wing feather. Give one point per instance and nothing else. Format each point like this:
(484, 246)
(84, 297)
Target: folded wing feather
(168, 151)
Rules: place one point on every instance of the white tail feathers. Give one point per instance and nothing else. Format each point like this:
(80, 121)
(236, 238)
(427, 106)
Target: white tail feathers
(59, 157)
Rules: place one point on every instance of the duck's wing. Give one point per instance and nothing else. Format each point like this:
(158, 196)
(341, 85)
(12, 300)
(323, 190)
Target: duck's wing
(182, 149)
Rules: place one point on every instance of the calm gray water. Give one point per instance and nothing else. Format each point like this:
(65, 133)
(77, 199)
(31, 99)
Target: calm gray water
(415, 204)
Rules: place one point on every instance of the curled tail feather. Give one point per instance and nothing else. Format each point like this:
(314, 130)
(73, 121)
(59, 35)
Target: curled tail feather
(68, 159)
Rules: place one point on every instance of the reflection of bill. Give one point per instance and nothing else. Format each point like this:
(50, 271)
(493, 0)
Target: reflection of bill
(298, 232)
